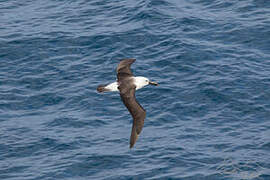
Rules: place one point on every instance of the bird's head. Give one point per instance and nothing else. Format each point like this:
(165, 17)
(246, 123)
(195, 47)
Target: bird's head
(143, 81)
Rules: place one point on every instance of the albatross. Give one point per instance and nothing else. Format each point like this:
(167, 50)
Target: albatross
(126, 85)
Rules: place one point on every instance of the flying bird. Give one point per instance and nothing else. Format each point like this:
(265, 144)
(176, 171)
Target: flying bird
(127, 84)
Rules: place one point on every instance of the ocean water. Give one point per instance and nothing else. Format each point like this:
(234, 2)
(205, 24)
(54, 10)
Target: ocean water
(208, 119)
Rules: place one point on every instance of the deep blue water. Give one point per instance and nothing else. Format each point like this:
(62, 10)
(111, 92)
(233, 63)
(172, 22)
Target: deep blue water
(208, 119)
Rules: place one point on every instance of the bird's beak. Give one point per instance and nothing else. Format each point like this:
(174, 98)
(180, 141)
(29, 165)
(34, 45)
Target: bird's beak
(153, 83)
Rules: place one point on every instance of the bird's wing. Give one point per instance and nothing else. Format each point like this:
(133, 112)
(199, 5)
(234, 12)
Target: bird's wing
(127, 94)
(123, 68)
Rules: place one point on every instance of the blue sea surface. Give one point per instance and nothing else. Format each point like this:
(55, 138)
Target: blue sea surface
(209, 118)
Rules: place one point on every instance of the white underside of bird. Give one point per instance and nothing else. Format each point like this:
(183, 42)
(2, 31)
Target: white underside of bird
(139, 82)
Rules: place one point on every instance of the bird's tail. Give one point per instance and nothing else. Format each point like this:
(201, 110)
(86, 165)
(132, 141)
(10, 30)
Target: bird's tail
(133, 136)
(102, 88)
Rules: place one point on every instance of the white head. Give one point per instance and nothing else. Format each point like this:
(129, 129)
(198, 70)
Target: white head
(143, 81)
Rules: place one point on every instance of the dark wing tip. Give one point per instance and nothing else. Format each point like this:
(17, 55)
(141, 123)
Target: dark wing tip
(129, 60)
(133, 137)
(136, 129)
(125, 62)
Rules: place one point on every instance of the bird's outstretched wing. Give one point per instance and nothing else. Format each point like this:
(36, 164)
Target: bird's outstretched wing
(127, 93)
(123, 68)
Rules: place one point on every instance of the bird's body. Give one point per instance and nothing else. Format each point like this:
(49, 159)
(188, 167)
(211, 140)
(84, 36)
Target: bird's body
(139, 82)
(127, 84)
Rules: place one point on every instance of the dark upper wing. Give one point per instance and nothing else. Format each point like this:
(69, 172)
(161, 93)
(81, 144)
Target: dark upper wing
(135, 109)
(123, 68)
